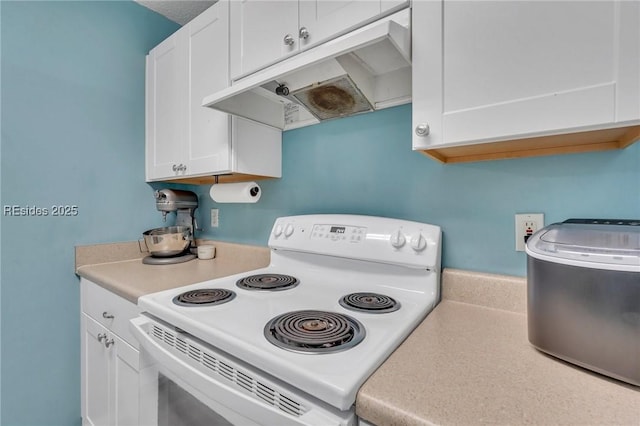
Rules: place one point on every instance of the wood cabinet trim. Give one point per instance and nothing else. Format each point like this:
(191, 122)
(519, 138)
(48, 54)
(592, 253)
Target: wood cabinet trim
(210, 180)
(571, 143)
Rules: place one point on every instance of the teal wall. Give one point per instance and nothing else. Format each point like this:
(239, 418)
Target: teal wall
(72, 134)
(365, 165)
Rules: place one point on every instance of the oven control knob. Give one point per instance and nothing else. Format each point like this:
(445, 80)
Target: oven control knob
(418, 243)
(397, 239)
(288, 230)
(277, 231)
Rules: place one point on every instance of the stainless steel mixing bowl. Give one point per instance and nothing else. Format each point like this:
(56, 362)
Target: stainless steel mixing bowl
(167, 241)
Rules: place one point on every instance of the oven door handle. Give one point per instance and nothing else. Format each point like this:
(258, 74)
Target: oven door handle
(230, 400)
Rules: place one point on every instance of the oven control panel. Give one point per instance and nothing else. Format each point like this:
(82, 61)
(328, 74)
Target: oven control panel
(339, 233)
(359, 237)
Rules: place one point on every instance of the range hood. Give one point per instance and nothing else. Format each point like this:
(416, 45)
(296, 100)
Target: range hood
(362, 71)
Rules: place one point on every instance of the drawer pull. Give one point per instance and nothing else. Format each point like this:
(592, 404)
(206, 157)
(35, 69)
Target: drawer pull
(109, 342)
(288, 40)
(107, 315)
(101, 337)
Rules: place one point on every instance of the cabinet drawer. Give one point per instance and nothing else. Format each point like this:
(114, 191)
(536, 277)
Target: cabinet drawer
(108, 309)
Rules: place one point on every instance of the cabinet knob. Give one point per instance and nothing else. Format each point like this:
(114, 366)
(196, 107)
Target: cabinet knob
(422, 129)
(289, 40)
(101, 337)
(183, 167)
(109, 342)
(304, 33)
(107, 315)
(174, 168)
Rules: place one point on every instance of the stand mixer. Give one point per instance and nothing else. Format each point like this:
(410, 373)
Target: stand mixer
(173, 244)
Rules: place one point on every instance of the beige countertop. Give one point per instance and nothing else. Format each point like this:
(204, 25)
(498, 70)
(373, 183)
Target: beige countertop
(118, 267)
(470, 362)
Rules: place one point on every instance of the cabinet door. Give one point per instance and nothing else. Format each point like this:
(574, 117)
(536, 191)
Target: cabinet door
(326, 19)
(520, 69)
(95, 362)
(125, 376)
(166, 115)
(258, 31)
(426, 73)
(209, 136)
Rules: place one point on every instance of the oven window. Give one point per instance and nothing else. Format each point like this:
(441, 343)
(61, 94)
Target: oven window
(177, 407)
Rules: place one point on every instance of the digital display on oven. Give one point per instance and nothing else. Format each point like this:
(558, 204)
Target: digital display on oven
(337, 230)
(339, 233)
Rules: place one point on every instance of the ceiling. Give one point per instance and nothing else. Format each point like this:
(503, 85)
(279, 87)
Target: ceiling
(180, 11)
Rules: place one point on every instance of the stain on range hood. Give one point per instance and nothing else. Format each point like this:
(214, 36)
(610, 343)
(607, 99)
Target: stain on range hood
(333, 98)
(362, 71)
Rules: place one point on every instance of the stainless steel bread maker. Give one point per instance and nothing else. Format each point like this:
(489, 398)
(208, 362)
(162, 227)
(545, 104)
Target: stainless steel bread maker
(583, 294)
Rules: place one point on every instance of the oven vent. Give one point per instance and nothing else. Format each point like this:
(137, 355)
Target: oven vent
(193, 352)
(181, 345)
(189, 349)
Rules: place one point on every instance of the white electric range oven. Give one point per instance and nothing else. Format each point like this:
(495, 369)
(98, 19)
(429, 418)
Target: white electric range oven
(290, 343)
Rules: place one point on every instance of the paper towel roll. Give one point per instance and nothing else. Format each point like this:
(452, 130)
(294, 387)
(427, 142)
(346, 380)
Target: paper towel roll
(241, 192)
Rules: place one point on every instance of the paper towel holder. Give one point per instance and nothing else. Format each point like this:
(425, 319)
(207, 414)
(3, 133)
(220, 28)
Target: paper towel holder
(236, 192)
(253, 191)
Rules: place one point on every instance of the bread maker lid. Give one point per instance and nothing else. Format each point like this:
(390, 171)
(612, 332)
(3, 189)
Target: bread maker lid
(590, 240)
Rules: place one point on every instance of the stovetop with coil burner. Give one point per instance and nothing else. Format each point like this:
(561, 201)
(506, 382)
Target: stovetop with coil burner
(314, 318)
(310, 331)
(204, 297)
(268, 282)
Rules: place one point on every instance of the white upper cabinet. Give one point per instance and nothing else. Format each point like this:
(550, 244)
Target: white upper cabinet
(264, 32)
(167, 88)
(207, 130)
(488, 72)
(320, 20)
(185, 140)
(258, 31)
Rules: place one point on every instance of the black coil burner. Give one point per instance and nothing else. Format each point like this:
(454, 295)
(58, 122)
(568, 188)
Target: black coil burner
(369, 302)
(314, 331)
(268, 282)
(204, 297)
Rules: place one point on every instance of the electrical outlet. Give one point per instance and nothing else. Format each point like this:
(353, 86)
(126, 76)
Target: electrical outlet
(214, 218)
(526, 225)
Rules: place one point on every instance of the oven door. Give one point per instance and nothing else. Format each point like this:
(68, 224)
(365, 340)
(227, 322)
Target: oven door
(184, 381)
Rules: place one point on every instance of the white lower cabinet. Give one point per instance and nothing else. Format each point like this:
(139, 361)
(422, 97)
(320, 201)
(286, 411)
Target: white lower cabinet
(109, 363)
